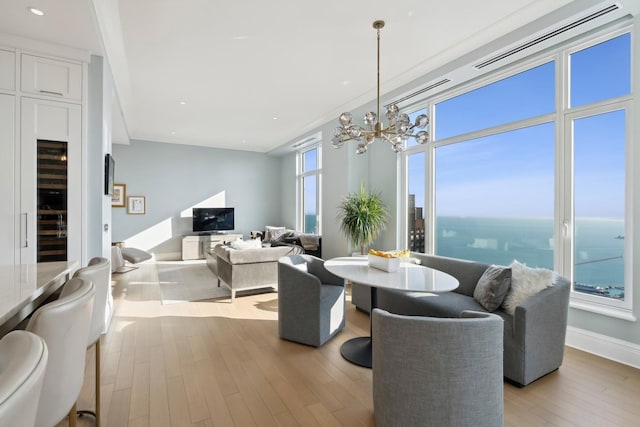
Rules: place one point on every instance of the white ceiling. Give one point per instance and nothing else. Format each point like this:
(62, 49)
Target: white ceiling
(254, 75)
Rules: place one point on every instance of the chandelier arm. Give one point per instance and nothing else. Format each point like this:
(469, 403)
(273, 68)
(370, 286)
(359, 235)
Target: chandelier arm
(391, 130)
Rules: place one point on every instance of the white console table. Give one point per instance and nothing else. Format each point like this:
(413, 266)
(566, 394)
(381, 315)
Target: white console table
(197, 246)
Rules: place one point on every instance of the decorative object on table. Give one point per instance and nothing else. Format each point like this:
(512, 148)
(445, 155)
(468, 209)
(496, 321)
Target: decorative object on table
(388, 261)
(362, 217)
(136, 205)
(119, 195)
(399, 128)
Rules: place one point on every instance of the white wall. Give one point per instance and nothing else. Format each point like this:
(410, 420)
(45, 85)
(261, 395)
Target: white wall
(175, 178)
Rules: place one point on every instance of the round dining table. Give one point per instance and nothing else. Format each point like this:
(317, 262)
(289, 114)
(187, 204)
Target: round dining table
(410, 277)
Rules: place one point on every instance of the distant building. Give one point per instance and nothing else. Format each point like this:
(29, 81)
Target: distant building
(415, 225)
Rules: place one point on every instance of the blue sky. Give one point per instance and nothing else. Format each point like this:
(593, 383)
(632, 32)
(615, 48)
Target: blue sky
(512, 174)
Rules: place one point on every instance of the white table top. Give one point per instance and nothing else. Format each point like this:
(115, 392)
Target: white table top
(21, 284)
(409, 277)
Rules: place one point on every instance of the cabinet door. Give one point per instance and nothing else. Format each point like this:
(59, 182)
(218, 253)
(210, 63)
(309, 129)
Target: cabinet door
(7, 70)
(8, 217)
(52, 78)
(50, 129)
(190, 247)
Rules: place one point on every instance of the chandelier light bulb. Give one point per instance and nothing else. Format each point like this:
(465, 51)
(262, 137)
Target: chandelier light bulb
(397, 132)
(370, 118)
(345, 119)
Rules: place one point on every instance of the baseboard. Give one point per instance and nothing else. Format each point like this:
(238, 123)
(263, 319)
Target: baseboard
(604, 346)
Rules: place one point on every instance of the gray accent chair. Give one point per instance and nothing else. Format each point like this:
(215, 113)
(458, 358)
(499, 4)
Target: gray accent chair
(311, 300)
(430, 371)
(533, 337)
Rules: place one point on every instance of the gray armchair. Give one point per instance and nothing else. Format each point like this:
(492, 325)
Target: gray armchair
(430, 371)
(311, 301)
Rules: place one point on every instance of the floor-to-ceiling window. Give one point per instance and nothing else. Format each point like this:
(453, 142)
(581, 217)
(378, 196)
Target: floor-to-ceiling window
(309, 175)
(530, 165)
(598, 88)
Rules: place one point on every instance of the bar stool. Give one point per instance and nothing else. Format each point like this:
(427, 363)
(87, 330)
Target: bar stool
(23, 362)
(97, 271)
(64, 326)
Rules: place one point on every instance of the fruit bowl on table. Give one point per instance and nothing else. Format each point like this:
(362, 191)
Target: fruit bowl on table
(387, 261)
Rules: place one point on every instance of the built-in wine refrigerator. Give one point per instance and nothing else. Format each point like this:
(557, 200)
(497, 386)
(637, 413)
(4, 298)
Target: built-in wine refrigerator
(52, 201)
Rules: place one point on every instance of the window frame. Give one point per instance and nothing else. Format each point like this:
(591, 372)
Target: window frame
(301, 175)
(563, 187)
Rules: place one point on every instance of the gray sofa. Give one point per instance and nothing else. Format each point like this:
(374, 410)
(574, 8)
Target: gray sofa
(244, 269)
(533, 337)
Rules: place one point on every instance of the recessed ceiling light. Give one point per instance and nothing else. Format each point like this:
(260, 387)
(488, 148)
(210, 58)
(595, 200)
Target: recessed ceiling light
(35, 11)
(183, 102)
(346, 83)
(275, 118)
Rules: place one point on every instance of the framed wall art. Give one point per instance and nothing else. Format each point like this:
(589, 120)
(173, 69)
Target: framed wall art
(119, 195)
(136, 205)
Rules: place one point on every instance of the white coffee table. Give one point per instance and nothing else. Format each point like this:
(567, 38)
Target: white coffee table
(410, 277)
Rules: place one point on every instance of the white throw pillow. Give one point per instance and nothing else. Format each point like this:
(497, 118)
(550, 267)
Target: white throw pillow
(273, 233)
(245, 244)
(525, 282)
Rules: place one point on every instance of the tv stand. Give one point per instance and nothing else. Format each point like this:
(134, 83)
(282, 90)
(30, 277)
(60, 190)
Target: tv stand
(212, 233)
(196, 246)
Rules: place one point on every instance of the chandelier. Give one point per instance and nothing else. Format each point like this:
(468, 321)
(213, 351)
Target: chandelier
(399, 127)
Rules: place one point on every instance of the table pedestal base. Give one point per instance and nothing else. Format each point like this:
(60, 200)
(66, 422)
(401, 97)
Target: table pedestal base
(358, 351)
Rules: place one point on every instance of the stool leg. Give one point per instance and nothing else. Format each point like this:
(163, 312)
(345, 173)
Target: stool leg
(95, 413)
(72, 416)
(98, 382)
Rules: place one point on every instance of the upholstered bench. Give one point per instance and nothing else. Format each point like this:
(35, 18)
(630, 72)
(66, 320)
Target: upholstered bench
(251, 268)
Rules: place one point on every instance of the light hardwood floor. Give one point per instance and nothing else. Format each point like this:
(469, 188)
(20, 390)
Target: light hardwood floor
(220, 364)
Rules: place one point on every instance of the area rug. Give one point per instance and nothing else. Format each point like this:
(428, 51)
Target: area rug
(182, 281)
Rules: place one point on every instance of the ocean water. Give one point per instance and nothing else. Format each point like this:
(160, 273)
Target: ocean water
(310, 223)
(599, 246)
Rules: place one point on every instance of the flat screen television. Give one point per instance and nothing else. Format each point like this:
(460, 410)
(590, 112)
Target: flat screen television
(213, 220)
(109, 172)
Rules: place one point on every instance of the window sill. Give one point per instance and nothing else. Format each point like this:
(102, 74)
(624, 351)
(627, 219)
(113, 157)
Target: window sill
(618, 313)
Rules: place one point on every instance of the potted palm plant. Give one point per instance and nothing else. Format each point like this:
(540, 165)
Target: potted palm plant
(362, 217)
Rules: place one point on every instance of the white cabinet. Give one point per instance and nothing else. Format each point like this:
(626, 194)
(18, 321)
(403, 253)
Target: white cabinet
(50, 181)
(196, 247)
(51, 77)
(7, 70)
(41, 155)
(8, 219)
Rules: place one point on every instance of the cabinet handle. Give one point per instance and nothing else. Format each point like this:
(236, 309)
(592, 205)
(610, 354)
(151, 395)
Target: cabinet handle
(48, 92)
(26, 230)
